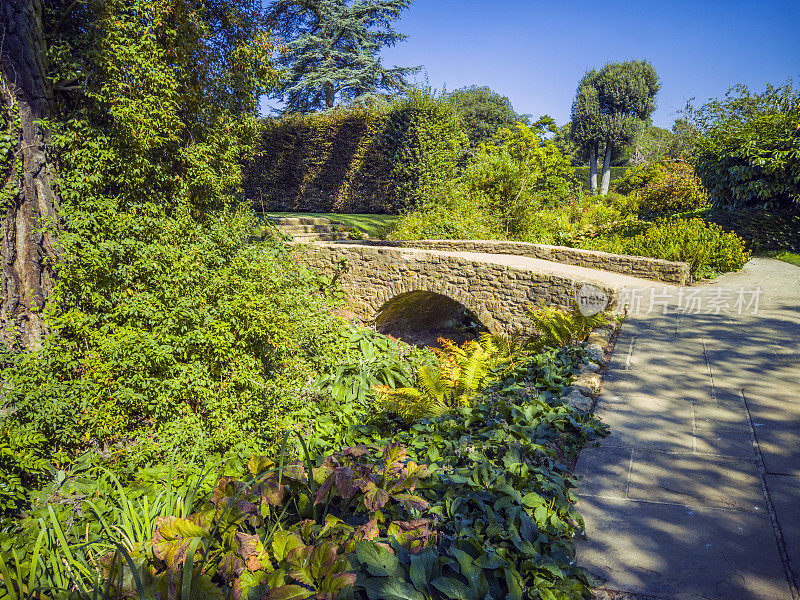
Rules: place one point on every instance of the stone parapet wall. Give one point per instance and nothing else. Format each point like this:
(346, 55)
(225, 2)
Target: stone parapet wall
(370, 276)
(675, 273)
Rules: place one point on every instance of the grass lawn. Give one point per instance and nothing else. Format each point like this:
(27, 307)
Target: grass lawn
(375, 226)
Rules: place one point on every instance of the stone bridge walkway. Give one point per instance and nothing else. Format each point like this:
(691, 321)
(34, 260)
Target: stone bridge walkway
(696, 492)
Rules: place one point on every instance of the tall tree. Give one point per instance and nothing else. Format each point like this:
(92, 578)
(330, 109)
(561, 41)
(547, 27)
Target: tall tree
(483, 111)
(626, 95)
(333, 47)
(586, 122)
(27, 196)
(610, 108)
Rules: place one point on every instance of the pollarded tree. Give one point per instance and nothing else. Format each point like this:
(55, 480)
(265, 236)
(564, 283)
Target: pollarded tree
(332, 52)
(610, 108)
(586, 123)
(626, 94)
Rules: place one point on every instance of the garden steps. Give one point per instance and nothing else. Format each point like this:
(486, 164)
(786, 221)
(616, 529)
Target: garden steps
(304, 230)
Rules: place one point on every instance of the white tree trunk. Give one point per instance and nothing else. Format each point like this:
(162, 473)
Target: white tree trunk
(606, 180)
(593, 168)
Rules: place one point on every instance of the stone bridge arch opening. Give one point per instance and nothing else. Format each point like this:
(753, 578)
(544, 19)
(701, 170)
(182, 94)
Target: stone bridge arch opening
(420, 317)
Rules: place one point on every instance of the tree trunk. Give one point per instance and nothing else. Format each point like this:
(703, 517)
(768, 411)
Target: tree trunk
(29, 244)
(593, 168)
(606, 181)
(329, 95)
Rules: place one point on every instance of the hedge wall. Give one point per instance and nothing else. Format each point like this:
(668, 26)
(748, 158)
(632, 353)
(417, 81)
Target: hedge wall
(582, 173)
(357, 159)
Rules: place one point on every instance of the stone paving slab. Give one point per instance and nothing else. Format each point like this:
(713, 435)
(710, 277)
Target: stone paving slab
(785, 494)
(696, 492)
(671, 551)
(689, 480)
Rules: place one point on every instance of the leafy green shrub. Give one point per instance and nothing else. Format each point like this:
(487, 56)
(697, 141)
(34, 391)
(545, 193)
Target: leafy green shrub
(482, 112)
(582, 176)
(370, 359)
(502, 188)
(668, 186)
(23, 460)
(748, 147)
(707, 247)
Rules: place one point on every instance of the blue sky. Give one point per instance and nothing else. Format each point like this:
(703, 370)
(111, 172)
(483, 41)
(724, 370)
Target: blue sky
(535, 52)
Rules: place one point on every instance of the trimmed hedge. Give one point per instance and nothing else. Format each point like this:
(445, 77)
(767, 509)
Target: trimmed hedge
(357, 159)
(582, 175)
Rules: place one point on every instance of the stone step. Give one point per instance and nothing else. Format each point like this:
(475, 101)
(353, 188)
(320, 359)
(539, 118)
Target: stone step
(312, 237)
(310, 228)
(301, 220)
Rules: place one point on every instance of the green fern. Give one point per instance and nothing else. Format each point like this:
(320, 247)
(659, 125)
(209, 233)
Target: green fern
(558, 327)
(463, 372)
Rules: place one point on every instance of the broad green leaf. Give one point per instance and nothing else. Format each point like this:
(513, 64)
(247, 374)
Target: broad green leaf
(284, 542)
(379, 561)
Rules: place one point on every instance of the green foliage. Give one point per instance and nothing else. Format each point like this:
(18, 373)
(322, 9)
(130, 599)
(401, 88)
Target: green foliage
(23, 460)
(472, 501)
(707, 247)
(582, 175)
(461, 373)
(667, 186)
(558, 327)
(503, 185)
(425, 142)
(370, 360)
(167, 327)
(331, 51)
(370, 159)
(748, 147)
(483, 112)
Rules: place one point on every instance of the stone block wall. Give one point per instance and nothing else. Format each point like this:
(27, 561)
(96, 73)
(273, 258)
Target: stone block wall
(675, 273)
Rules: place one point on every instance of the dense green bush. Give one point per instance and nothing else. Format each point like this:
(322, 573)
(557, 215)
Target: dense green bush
(357, 159)
(167, 329)
(503, 186)
(748, 147)
(707, 247)
(663, 187)
(582, 175)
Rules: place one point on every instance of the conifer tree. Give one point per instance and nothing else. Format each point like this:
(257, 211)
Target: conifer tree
(332, 50)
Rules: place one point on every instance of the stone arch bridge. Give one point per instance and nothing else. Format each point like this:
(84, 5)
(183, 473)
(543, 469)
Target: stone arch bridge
(494, 281)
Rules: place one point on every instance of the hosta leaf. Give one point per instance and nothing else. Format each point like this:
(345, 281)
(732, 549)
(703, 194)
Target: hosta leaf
(375, 498)
(172, 538)
(412, 500)
(299, 563)
(379, 561)
(284, 542)
(322, 560)
(288, 592)
(452, 588)
(390, 588)
(259, 464)
(368, 531)
(424, 568)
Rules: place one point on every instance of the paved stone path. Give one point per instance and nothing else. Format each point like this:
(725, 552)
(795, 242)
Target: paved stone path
(696, 492)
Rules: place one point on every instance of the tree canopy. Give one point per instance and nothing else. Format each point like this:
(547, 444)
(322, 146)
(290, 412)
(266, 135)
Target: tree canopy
(610, 107)
(331, 52)
(483, 112)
